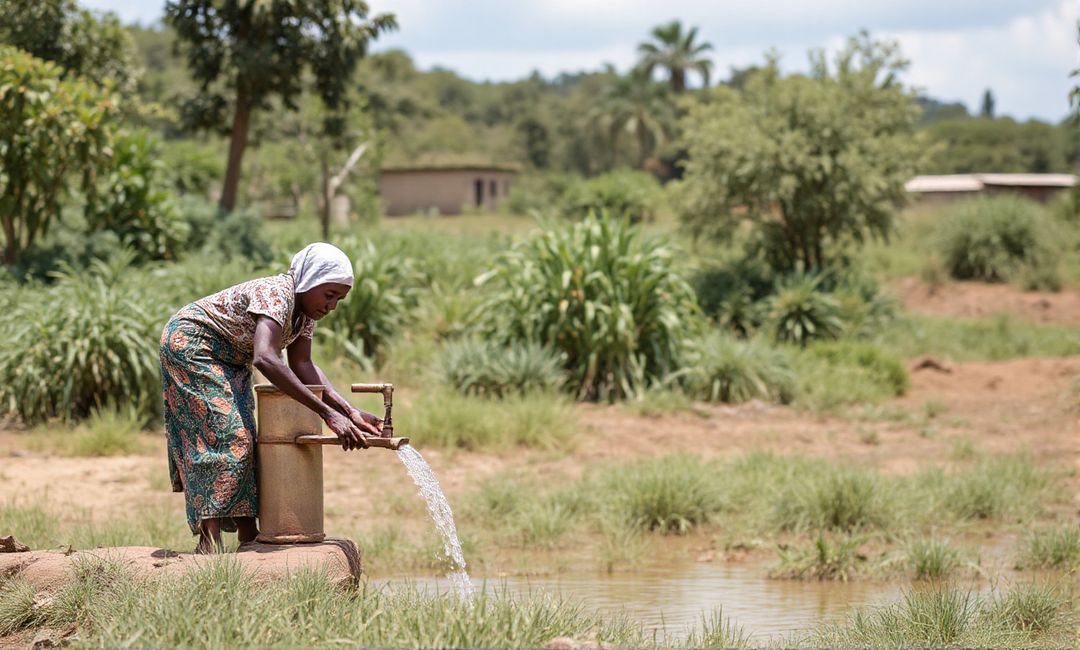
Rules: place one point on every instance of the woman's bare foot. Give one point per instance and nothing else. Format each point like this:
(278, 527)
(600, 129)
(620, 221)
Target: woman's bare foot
(209, 538)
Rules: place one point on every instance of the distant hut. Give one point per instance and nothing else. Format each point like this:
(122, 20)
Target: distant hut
(1038, 187)
(446, 189)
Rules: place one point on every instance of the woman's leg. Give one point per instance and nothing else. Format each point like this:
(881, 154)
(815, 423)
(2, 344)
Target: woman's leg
(246, 529)
(209, 537)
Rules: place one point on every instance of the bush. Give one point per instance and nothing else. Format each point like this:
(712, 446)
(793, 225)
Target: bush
(623, 193)
(476, 367)
(133, 201)
(998, 239)
(721, 369)
(607, 298)
(800, 311)
(89, 341)
(732, 294)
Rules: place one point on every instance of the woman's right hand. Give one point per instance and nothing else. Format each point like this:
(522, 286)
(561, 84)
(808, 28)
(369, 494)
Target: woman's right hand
(349, 434)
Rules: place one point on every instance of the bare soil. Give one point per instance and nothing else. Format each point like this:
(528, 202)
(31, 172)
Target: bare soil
(981, 299)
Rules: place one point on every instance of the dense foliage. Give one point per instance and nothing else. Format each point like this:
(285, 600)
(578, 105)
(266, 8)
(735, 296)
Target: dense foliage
(54, 134)
(601, 293)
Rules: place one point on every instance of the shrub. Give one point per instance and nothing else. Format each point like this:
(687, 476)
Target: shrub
(800, 311)
(133, 201)
(89, 341)
(732, 294)
(1034, 608)
(607, 298)
(720, 368)
(476, 367)
(995, 239)
(622, 193)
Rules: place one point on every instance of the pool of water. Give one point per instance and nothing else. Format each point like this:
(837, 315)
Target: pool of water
(672, 599)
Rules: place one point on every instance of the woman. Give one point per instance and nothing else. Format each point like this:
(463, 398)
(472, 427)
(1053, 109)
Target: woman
(207, 350)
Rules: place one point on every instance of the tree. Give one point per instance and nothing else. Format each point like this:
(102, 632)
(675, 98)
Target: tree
(245, 52)
(987, 108)
(812, 163)
(52, 129)
(95, 46)
(676, 52)
(968, 146)
(637, 106)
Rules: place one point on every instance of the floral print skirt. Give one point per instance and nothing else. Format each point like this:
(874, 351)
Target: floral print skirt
(209, 421)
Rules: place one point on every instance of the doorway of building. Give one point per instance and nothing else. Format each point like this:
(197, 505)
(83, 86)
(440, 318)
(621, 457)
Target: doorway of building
(478, 187)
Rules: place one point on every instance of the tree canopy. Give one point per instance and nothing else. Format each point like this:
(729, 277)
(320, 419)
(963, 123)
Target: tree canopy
(243, 53)
(677, 52)
(813, 163)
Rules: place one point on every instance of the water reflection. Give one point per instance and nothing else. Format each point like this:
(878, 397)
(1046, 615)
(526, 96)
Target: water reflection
(671, 599)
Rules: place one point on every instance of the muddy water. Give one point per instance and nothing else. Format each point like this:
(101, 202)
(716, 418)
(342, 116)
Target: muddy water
(671, 599)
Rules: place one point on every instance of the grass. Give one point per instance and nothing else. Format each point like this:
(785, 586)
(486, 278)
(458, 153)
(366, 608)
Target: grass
(222, 605)
(932, 559)
(945, 616)
(39, 528)
(673, 494)
(453, 421)
(107, 432)
(989, 339)
(826, 558)
(836, 499)
(1051, 548)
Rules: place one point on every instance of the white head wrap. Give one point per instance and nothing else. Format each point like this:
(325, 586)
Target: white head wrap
(320, 263)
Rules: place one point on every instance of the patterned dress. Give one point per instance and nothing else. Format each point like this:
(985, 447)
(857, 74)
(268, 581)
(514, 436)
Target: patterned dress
(206, 352)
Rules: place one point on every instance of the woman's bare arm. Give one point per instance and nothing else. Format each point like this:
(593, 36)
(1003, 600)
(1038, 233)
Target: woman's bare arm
(268, 360)
(301, 363)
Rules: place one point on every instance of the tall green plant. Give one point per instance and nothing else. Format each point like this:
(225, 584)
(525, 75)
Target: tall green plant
(606, 297)
(381, 300)
(85, 343)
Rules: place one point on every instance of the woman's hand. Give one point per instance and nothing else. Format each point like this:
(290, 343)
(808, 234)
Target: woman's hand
(366, 422)
(350, 435)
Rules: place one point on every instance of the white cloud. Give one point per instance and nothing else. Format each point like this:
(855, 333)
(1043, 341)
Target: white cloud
(1025, 62)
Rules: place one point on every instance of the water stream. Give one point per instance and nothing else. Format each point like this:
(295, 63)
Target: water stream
(439, 507)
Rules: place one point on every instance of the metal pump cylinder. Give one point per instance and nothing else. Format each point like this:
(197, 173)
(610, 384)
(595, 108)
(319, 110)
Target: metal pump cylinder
(290, 472)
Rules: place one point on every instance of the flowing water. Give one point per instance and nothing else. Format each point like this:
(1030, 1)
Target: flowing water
(439, 507)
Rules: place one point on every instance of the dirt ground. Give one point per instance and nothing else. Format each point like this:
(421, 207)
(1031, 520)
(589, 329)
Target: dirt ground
(980, 299)
(1019, 405)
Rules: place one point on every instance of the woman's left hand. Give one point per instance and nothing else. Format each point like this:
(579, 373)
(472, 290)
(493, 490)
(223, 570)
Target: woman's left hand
(367, 422)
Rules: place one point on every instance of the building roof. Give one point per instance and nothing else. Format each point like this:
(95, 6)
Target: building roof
(450, 167)
(976, 182)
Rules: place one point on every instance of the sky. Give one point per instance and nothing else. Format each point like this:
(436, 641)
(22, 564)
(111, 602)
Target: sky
(1022, 50)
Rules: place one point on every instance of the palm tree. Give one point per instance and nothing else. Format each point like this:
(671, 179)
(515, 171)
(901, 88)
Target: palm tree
(677, 53)
(633, 105)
